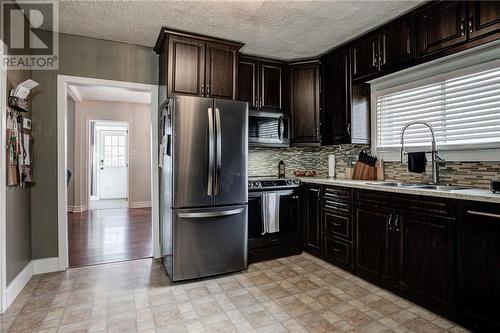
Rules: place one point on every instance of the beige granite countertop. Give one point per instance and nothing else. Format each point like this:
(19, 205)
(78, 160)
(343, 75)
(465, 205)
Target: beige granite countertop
(475, 194)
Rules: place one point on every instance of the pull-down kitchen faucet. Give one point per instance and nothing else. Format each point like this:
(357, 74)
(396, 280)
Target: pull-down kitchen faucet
(436, 160)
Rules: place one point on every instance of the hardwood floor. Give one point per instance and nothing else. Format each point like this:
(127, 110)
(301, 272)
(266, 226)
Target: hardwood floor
(107, 235)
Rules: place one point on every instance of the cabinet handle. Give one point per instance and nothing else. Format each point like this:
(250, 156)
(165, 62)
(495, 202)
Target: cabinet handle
(336, 224)
(317, 133)
(256, 101)
(202, 90)
(396, 223)
(375, 55)
(496, 216)
(208, 90)
(389, 221)
(336, 250)
(471, 25)
(462, 27)
(260, 102)
(348, 128)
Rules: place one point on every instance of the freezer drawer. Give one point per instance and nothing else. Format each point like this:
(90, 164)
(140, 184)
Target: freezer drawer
(209, 241)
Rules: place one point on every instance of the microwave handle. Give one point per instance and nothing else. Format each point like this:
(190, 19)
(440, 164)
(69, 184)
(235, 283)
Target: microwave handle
(281, 128)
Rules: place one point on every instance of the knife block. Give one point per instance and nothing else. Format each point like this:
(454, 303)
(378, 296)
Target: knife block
(364, 172)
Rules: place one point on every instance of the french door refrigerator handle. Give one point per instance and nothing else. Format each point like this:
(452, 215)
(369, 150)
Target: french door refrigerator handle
(218, 137)
(210, 152)
(212, 214)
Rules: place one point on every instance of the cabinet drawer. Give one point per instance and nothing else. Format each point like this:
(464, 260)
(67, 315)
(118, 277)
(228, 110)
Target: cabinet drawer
(337, 224)
(335, 206)
(337, 250)
(337, 194)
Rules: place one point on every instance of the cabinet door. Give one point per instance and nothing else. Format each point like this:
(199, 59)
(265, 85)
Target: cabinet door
(374, 243)
(337, 98)
(441, 26)
(271, 86)
(484, 18)
(425, 257)
(304, 90)
(397, 43)
(365, 60)
(221, 74)
(247, 82)
(311, 207)
(481, 266)
(186, 67)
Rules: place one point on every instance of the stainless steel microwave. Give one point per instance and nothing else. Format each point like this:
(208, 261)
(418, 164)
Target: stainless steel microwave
(268, 129)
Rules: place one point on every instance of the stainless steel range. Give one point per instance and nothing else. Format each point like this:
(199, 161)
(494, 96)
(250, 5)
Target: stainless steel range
(263, 245)
(272, 183)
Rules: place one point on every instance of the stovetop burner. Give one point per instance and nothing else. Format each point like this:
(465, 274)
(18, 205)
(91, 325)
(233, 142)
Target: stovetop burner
(270, 182)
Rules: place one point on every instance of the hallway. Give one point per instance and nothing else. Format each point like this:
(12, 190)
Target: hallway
(108, 235)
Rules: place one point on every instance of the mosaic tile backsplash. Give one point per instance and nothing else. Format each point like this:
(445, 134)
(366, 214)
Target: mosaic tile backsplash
(264, 161)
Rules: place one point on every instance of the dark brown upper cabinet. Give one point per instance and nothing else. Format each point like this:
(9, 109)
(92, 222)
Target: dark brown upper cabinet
(397, 43)
(305, 103)
(248, 82)
(442, 26)
(336, 98)
(484, 18)
(365, 56)
(346, 108)
(262, 84)
(393, 45)
(221, 72)
(196, 65)
(189, 55)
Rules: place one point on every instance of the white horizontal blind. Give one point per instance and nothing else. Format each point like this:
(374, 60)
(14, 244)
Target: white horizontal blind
(464, 112)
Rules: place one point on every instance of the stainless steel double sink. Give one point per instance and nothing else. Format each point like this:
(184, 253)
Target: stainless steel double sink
(417, 186)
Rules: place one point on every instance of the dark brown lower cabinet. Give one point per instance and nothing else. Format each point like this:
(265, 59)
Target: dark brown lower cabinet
(479, 266)
(373, 242)
(311, 208)
(425, 247)
(442, 254)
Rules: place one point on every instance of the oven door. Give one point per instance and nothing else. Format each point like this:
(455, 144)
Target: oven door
(268, 129)
(289, 220)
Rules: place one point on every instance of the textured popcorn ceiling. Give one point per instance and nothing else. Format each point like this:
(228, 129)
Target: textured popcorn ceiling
(278, 29)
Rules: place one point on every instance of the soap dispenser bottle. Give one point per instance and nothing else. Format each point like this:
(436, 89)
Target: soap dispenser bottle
(281, 169)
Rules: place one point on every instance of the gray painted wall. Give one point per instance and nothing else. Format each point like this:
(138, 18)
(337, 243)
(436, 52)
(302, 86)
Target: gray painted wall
(18, 212)
(78, 56)
(18, 200)
(70, 150)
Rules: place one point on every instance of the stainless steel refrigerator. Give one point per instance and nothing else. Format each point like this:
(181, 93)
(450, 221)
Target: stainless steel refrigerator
(203, 186)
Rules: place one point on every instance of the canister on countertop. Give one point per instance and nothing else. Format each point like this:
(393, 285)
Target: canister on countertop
(331, 167)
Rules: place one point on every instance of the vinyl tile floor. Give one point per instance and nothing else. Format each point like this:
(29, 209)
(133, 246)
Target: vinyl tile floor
(293, 294)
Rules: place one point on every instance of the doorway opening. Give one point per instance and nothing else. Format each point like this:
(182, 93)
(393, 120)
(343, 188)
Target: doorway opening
(109, 175)
(108, 165)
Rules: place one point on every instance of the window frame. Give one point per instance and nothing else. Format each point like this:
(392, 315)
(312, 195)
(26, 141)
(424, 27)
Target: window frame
(430, 73)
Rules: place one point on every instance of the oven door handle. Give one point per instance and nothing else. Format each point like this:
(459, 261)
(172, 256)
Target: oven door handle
(259, 193)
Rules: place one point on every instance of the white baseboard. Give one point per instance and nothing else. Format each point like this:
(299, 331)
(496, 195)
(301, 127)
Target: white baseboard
(19, 282)
(79, 209)
(140, 204)
(34, 267)
(45, 265)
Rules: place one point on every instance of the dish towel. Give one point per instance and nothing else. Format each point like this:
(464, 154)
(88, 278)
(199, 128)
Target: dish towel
(270, 213)
(417, 162)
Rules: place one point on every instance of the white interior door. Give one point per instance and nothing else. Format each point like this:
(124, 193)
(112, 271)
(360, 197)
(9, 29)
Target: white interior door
(113, 164)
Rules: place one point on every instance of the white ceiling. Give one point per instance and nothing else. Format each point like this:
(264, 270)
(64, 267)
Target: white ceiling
(278, 29)
(81, 93)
